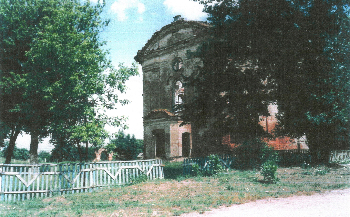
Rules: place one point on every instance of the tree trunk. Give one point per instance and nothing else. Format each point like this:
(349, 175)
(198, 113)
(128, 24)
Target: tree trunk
(80, 152)
(34, 144)
(14, 134)
(87, 152)
(312, 141)
(319, 146)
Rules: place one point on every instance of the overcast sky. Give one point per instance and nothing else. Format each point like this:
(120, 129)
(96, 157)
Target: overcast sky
(133, 22)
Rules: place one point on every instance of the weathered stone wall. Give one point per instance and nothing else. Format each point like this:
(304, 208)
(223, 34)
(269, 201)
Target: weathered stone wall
(159, 79)
(159, 83)
(161, 73)
(149, 127)
(176, 138)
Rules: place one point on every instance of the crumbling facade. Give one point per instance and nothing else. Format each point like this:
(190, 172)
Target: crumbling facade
(165, 65)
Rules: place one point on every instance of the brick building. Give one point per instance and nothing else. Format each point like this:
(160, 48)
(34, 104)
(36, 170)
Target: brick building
(165, 65)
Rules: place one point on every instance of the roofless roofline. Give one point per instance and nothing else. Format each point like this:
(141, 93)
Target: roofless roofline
(164, 30)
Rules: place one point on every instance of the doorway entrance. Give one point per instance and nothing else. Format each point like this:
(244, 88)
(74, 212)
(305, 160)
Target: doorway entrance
(186, 144)
(159, 143)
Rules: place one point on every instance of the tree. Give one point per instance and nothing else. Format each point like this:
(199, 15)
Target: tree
(293, 53)
(126, 146)
(15, 33)
(16, 153)
(65, 78)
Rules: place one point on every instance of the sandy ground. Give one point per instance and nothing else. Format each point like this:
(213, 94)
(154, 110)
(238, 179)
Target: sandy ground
(330, 204)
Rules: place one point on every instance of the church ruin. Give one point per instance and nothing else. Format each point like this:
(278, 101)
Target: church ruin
(165, 65)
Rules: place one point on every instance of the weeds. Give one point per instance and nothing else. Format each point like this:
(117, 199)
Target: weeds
(212, 167)
(322, 171)
(139, 179)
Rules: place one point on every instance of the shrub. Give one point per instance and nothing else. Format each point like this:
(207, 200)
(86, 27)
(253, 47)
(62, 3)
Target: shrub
(248, 155)
(269, 164)
(212, 167)
(139, 179)
(196, 170)
(268, 170)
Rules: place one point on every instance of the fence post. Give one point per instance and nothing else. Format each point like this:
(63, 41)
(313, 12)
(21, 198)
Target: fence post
(1, 187)
(92, 167)
(62, 178)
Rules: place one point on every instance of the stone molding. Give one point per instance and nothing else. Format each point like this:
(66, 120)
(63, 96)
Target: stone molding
(198, 27)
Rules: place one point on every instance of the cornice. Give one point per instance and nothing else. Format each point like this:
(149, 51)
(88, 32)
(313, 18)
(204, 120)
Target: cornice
(172, 28)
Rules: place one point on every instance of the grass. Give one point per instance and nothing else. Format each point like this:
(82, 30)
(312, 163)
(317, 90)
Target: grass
(176, 194)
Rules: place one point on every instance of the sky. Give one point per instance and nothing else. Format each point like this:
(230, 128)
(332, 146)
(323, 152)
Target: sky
(132, 24)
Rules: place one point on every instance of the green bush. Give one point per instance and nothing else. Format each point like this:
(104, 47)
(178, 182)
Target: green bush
(269, 171)
(18, 153)
(139, 179)
(248, 155)
(212, 167)
(269, 164)
(268, 154)
(196, 170)
(173, 170)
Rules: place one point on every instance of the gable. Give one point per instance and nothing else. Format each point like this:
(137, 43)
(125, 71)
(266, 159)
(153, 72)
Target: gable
(177, 32)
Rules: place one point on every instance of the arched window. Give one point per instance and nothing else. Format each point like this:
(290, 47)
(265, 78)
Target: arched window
(179, 93)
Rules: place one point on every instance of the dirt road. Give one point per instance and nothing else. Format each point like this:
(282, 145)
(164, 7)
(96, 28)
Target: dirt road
(330, 204)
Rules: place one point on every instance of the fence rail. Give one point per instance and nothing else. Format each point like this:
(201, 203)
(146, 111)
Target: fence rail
(340, 155)
(20, 182)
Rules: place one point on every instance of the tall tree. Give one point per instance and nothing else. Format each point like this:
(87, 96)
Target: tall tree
(16, 33)
(293, 53)
(66, 75)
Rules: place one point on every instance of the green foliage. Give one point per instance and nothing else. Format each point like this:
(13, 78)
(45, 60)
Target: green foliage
(127, 147)
(293, 53)
(173, 170)
(212, 167)
(44, 156)
(269, 171)
(139, 179)
(18, 153)
(321, 171)
(196, 170)
(268, 154)
(249, 154)
(70, 153)
(169, 196)
(269, 166)
(54, 77)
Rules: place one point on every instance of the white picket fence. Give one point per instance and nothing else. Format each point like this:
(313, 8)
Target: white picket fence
(21, 181)
(340, 155)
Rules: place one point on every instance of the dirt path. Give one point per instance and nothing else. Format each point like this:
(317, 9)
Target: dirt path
(330, 204)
